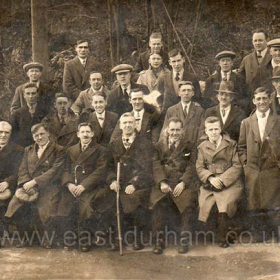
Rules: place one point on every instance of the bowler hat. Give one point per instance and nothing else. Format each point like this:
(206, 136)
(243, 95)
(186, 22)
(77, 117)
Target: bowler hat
(38, 65)
(223, 54)
(226, 86)
(23, 196)
(276, 73)
(274, 43)
(122, 68)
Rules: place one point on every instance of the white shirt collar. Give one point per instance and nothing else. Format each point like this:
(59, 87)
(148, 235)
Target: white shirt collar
(82, 60)
(128, 88)
(45, 146)
(226, 109)
(263, 52)
(185, 105)
(180, 73)
(218, 142)
(259, 114)
(100, 115)
(227, 74)
(141, 113)
(94, 90)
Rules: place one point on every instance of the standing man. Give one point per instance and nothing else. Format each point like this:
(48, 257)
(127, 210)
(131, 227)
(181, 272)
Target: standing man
(258, 150)
(10, 157)
(259, 57)
(84, 100)
(76, 71)
(275, 96)
(118, 99)
(225, 73)
(83, 181)
(135, 155)
(147, 124)
(175, 190)
(188, 112)
(34, 71)
(62, 122)
(168, 84)
(24, 118)
(230, 116)
(156, 46)
(264, 73)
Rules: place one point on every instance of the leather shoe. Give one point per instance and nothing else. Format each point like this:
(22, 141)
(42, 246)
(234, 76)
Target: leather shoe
(183, 249)
(224, 244)
(85, 249)
(138, 246)
(159, 247)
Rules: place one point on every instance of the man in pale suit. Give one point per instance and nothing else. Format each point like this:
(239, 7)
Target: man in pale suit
(76, 71)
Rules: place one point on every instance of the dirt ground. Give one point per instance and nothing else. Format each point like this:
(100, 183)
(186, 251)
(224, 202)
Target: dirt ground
(254, 261)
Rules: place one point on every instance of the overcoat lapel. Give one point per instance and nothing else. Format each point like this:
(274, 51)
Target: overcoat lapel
(87, 153)
(255, 127)
(230, 118)
(79, 67)
(45, 154)
(270, 124)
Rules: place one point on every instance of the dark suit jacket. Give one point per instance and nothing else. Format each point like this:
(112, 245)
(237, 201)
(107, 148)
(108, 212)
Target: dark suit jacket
(275, 103)
(22, 122)
(250, 65)
(232, 125)
(46, 97)
(66, 135)
(173, 167)
(143, 60)
(150, 128)
(76, 77)
(262, 78)
(166, 87)
(242, 96)
(46, 171)
(136, 166)
(191, 123)
(91, 168)
(118, 102)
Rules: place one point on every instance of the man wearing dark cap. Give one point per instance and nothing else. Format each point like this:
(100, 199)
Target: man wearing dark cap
(264, 73)
(34, 72)
(230, 116)
(76, 71)
(118, 99)
(259, 57)
(225, 73)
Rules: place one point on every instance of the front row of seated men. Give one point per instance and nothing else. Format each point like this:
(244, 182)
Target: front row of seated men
(61, 190)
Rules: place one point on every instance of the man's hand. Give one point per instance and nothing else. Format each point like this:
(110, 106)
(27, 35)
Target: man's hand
(130, 189)
(179, 188)
(216, 182)
(79, 190)
(3, 186)
(164, 187)
(29, 185)
(72, 187)
(114, 186)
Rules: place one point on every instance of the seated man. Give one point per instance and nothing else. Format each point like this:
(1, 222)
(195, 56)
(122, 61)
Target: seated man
(103, 122)
(39, 172)
(175, 188)
(34, 71)
(219, 169)
(83, 181)
(62, 122)
(135, 155)
(10, 157)
(147, 124)
(190, 113)
(84, 100)
(24, 118)
(230, 116)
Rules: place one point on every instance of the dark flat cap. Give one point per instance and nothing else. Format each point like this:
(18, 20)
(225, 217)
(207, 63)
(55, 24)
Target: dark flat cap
(274, 43)
(38, 65)
(225, 54)
(122, 68)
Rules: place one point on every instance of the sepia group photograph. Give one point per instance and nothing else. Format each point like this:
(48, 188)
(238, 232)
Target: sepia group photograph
(140, 139)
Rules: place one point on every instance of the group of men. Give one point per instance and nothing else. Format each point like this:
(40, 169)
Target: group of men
(180, 149)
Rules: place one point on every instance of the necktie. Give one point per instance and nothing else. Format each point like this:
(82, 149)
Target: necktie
(172, 147)
(177, 78)
(101, 121)
(223, 112)
(84, 147)
(63, 121)
(186, 110)
(259, 56)
(215, 144)
(84, 63)
(125, 93)
(263, 115)
(225, 77)
(40, 152)
(127, 144)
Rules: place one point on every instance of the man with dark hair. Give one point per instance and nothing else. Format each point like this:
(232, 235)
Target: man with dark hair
(134, 153)
(34, 71)
(84, 100)
(10, 157)
(219, 170)
(147, 124)
(175, 190)
(39, 172)
(83, 181)
(24, 118)
(225, 73)
(76, 71)
(168, 84)
(258, 150)
(62, 122)
(156, 46)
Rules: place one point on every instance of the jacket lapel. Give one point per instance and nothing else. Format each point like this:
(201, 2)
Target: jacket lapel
(255, 127)
(254, 61)
(145, 121)
(221, 147)
(266, 59)
(191, 113)
(218, 114)
(87, 152)
(270, 124)
(231, 117)
(79, 66)
(45, 154)
(87, 70)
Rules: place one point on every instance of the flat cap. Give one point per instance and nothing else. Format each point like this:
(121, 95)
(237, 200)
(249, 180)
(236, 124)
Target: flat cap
(225, 54)
(38, 65)
(276, 73)
(122, 68)
(274, 43)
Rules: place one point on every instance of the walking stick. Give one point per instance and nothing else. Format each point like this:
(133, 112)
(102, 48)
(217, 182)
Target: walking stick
(118, 208)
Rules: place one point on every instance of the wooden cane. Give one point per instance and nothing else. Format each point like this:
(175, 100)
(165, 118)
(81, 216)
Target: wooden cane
(118, 208)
